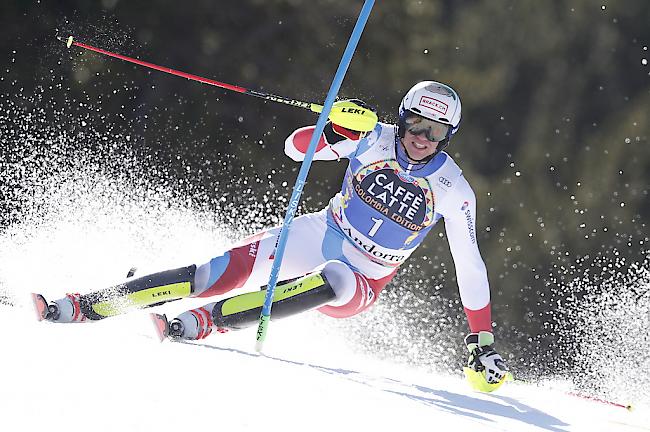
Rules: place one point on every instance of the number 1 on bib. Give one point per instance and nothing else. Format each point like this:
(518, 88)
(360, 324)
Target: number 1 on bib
(375, 227)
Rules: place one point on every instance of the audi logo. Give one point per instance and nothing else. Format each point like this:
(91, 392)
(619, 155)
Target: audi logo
(444, 181)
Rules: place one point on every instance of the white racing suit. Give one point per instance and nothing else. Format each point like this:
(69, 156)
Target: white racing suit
(385, 209)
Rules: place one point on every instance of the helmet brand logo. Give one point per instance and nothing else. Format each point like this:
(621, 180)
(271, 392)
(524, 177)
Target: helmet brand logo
(434, 104)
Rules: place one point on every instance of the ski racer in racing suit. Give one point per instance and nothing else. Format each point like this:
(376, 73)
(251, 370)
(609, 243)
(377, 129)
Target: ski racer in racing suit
(398, 184)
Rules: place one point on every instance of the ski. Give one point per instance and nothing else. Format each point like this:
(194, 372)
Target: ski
(161, 325)
(40, 306)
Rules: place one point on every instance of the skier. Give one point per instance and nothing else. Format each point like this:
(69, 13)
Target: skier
(398, 184)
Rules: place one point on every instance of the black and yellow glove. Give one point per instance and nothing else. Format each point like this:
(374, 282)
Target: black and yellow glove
(349, 119)
(486, 370)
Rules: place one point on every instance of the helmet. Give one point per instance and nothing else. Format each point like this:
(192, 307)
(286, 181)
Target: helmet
(434, 101)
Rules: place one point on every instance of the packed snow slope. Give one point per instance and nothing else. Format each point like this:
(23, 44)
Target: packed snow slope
(115, 375)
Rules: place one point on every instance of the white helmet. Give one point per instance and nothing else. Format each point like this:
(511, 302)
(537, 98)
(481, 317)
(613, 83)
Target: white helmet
(432, 100)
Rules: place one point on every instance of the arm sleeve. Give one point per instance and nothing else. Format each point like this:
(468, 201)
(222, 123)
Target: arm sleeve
(471, 274)
(296, 144)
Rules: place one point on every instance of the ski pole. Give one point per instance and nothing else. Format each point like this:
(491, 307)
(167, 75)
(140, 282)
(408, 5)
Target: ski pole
(266, 96)
(344, 115)
(628, 407)
(265, 316)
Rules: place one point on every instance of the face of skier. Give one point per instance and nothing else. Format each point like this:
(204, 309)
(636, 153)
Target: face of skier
(422, 137)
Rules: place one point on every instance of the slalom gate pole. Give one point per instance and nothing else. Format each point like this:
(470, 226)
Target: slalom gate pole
(266, 96)
(265, 316)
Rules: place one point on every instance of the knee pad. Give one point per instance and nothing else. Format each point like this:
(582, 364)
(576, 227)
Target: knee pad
(341, 279)
(364, 294)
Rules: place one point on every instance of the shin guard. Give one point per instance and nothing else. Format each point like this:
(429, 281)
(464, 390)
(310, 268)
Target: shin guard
(290, 298)
(151, 290)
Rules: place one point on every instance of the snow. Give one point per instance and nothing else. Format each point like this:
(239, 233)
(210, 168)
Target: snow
(115, 375)
(82, 225)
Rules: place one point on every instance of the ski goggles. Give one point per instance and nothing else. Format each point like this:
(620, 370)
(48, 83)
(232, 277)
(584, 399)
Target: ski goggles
(432, 130)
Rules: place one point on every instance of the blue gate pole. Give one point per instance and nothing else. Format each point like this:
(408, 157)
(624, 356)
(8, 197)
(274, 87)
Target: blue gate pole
(265, 316)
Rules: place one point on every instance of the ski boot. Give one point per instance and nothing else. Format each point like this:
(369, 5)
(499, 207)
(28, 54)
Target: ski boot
(191, 325)
(44, 310)
(65, 310)
(165, 329)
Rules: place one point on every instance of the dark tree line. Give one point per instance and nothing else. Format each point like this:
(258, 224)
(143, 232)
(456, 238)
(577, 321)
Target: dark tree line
(555, 95)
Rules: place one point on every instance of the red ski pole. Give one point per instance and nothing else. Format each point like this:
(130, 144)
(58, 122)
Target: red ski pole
(628, 407)
(275, 98)
(347, 114)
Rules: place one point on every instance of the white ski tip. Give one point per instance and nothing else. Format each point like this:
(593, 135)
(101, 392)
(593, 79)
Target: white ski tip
(160, 325)
(39, 306)
(70, 40)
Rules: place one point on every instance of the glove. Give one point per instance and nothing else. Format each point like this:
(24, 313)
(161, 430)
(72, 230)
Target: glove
(353, 115)
(485, 362)
(334, 133)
